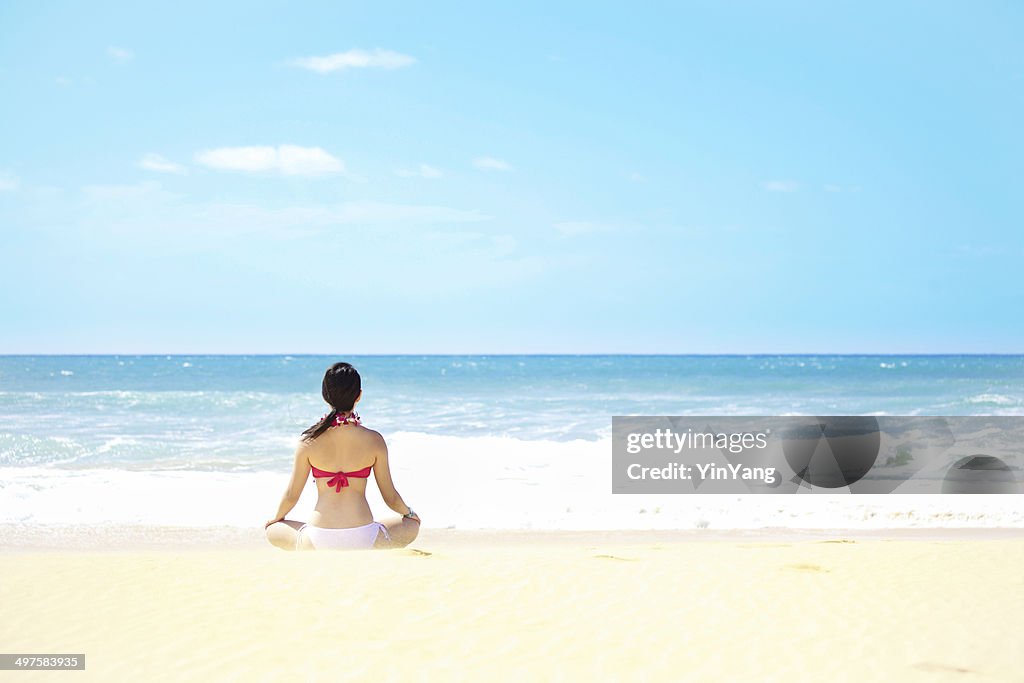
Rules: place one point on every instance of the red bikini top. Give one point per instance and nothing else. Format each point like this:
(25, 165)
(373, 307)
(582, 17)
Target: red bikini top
(340, 479)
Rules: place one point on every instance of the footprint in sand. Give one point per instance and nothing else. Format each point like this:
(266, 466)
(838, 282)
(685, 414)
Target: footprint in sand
(616, 557)
(935, 667)
(420, 553)
(808, 568)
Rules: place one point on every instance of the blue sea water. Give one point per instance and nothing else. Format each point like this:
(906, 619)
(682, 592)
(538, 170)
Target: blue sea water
(243, 413)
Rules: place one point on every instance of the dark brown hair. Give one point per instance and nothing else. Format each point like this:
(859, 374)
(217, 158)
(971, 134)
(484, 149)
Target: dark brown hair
(341, 388)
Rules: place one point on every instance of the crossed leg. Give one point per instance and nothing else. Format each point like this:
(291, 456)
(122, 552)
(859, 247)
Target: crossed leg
(402, 531)
(284, 534)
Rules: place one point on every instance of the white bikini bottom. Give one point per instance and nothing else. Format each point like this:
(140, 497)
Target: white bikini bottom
(354, 538)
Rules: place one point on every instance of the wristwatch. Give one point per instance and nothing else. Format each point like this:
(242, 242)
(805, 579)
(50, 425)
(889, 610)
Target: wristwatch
(410, 514)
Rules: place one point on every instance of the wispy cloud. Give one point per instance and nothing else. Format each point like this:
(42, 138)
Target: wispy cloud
(574, 228)
(781, 185)
(421, 171)
(120, 54)
(494, 245)
(62, 81)
(284, 159)
(637, 177)
(491, 164)
(9, 182)
(157, 163)
(148, 206)
(384, 212)
(354, 59)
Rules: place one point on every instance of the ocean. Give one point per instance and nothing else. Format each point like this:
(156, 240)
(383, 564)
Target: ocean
(475, 441)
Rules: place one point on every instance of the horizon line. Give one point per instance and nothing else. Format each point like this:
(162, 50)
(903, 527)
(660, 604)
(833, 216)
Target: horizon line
(536, 354)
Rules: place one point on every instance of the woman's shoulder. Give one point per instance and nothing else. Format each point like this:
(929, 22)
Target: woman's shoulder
(362, 435)
(303, 445)
(372, 436)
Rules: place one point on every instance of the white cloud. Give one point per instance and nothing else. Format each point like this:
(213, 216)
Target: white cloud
(63, 81)
(354, 59)
(296, 160)
(573, 228)
(9, 182)
(155, 162)
(781, 185)
(239, 158)
(284, 159)
(637, 177)
(422, 171)
(491, 164)
(120, 54)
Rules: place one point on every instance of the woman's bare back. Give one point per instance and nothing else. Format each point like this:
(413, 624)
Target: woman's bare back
(348, 448)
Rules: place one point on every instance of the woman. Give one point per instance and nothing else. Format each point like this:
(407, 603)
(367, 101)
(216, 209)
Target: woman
(340, 452)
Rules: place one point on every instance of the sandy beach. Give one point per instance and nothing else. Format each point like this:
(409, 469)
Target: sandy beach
(560, 606)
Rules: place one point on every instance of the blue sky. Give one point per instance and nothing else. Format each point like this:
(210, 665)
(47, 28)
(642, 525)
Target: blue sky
(697, 177)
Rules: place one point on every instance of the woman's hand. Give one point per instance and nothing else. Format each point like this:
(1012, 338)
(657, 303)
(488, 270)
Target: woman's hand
(412, 515)
(272, 521)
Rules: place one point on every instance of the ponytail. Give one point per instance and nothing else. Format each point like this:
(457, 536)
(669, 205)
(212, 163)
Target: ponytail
(320, 427)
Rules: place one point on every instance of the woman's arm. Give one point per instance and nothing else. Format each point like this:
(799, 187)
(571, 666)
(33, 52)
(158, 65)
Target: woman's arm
(300, 473)
(382, 473)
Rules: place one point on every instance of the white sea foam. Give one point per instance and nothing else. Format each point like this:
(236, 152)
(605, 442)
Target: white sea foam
(113, 443)
(474, 483)
(994, 399)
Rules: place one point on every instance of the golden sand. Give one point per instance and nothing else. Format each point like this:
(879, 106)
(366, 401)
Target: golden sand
(589, 607)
